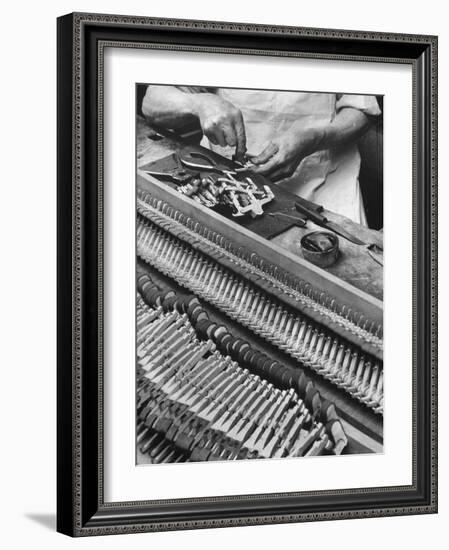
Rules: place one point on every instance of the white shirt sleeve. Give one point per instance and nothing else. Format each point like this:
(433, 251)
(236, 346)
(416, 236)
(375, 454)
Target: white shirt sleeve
(365, 103)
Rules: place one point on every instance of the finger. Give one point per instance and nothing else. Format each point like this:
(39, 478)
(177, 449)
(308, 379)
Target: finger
(270, 150)
(230, 135)
(277, 175)
(268, 167)
(282, 171)
(240, 133)
(211, 137)
(216, 135)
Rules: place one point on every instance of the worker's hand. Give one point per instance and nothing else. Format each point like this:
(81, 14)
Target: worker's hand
(221, 122)
(282, 155)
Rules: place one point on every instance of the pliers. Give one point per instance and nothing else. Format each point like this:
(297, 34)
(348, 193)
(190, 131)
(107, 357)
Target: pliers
(178, 175)
(209, 165)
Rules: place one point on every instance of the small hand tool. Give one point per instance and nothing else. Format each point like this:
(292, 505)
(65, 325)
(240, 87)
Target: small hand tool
(300, 222)
(177, 176)
(209, 165)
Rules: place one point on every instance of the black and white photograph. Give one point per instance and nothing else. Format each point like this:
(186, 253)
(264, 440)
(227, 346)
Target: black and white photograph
(259, 273)
(247, 276)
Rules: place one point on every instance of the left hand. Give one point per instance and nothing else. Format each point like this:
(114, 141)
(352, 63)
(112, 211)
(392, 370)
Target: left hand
(282, 155)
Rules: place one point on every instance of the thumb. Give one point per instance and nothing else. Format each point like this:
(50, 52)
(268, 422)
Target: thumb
(266, 154)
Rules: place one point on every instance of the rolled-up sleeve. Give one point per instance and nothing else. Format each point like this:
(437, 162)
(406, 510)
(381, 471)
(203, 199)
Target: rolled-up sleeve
(193, 89)
(366, 103)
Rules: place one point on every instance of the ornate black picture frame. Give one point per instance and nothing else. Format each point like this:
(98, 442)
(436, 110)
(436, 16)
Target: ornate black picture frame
(81, 510)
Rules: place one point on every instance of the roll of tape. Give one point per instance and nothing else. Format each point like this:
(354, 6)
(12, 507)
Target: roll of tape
(320, 247)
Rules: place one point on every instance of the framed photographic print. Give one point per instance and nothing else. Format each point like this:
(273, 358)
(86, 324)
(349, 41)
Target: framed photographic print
(246, 274)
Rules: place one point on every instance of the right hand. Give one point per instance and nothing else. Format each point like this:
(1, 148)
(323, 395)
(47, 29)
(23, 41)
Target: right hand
(221, 122)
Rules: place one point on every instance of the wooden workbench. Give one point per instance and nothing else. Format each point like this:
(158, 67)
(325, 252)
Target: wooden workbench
(354, 265)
